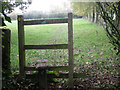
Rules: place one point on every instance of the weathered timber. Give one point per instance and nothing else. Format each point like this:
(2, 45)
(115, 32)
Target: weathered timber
(50, 68)
(21, 43)
(66, 75)
(70, 49)
(60, 75)
(6, 35)
(41, 63)
(54, 46)
(47, 21)
(42, 74)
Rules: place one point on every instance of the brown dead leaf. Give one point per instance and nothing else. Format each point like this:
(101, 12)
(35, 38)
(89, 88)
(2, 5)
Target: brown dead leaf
(82, 56)
(83, 62)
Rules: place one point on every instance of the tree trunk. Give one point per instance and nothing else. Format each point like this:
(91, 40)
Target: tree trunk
(90, 16)
(96, 15)
(119, 16)
(93, 18)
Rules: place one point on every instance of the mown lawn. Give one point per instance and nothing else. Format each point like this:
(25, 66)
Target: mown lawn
(90, 43)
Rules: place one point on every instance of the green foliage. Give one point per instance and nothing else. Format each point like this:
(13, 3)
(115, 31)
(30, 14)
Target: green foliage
(7, 18)
(7, 79)
(82, 8)
(110, 13)
(8, 7)
(54, 72)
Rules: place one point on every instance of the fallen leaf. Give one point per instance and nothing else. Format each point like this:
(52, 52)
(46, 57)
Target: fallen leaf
(101, 53)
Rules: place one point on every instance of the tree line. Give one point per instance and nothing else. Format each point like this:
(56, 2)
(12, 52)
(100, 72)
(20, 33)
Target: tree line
(106, 14)
(42, 15)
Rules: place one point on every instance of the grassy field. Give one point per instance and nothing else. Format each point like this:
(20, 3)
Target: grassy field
(93, 54)
(90, 43)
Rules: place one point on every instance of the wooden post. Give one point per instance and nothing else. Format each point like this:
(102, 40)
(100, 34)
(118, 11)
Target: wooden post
(6, 49)
(70, 49)
(21, 45)
(43, 79)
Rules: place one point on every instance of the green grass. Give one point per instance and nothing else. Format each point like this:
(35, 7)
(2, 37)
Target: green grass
(90, 43)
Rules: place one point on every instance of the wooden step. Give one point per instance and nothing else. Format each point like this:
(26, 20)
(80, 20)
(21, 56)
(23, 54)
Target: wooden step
(60, 75)
(52, 46)
(50, 68)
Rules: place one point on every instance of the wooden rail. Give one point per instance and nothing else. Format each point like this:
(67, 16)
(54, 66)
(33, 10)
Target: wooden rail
(50, 68)
(61, 75)
(66, 75)
(54, 46)
(47, 21)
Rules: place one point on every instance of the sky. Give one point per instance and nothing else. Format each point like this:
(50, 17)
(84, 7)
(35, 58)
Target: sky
(47, 5)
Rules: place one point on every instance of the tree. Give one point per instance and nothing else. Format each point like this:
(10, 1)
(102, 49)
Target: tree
(80, 8)
(110, 12)
(9, 5)
(84, 9)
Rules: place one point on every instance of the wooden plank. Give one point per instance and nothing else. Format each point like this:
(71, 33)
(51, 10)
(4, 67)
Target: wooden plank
(50, 68)
(58, 68)
(61, 75)
(54, 46)
(47, 21)
(70, 49)
(6, 34)
(30, 68)
(43, 84)
(21, 45)
(66, 75)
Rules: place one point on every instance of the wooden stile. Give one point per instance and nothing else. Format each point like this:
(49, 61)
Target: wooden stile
(23, 47)
(21, 43)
